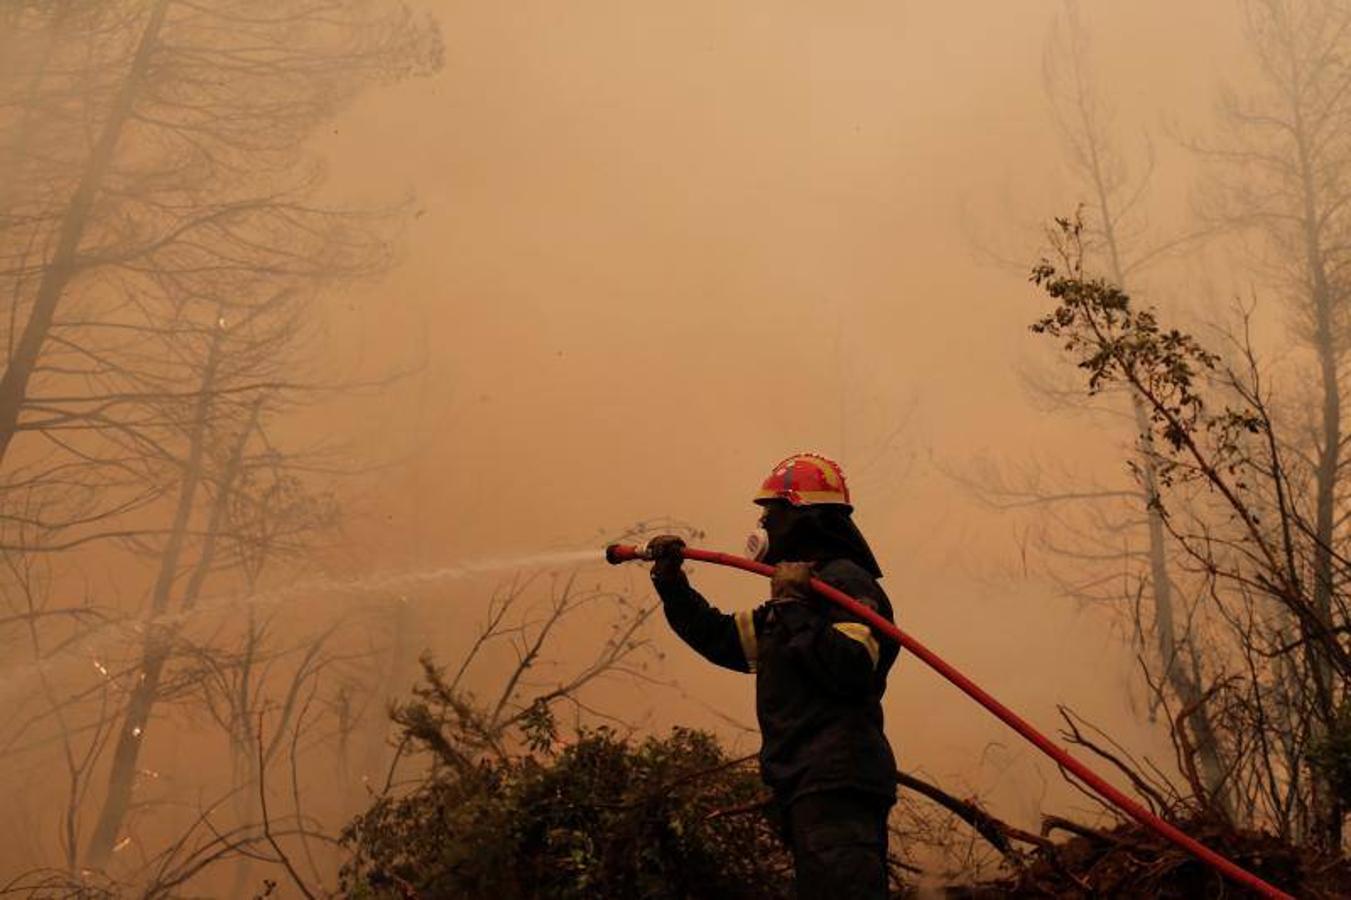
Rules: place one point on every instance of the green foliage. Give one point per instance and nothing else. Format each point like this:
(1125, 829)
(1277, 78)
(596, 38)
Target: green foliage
(1255, 538)
(668, 817)
(1330, 755)
(1120, 345)
(539, 727)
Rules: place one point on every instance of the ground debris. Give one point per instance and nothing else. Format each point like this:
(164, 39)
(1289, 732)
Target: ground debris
(1129, 862)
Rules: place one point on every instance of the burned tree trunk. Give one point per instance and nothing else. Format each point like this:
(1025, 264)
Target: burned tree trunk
(65, 261)
(154, 655)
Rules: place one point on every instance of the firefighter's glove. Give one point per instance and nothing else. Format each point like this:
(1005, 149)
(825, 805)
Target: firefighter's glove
(665, 550)
(792, 581)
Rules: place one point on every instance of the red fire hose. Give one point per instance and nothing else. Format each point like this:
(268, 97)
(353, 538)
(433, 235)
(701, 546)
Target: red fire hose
(617, 553)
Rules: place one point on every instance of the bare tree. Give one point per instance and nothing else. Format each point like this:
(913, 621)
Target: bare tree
(525, 702)
(1283, 176)
(237, 357)
(162, 242)
(1100, 541)
(1086, 129)
(193, 178)
(1230, 476)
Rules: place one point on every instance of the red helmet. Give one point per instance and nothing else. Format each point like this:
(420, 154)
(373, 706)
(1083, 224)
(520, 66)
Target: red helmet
(806, 479)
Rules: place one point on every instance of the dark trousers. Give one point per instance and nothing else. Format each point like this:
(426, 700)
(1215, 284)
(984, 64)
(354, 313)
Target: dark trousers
(839, 844)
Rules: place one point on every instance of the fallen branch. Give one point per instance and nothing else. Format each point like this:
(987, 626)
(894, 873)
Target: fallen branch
(741, 810)
(1054, 823)
(997, 833)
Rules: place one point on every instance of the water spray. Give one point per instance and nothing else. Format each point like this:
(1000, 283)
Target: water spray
(618, 553)
(16, 680)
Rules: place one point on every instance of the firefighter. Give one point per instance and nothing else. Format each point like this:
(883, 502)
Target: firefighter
(819, 675)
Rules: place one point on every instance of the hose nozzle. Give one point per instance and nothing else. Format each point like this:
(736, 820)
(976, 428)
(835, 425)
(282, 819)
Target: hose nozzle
(618, 553)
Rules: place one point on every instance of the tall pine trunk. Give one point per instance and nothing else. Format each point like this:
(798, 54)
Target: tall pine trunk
(65, 261)
(1327, 806)
(1175, 672)
(155, 653)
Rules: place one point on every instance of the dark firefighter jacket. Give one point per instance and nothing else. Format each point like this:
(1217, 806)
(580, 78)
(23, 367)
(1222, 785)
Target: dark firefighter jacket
(819, 679)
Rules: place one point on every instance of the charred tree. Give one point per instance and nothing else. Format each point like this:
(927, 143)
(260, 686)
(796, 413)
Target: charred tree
(1284, 175)
(163, 238)
(1086, 129)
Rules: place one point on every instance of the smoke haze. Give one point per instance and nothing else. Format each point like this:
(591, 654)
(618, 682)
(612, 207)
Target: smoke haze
(653, 248)
(665, 246)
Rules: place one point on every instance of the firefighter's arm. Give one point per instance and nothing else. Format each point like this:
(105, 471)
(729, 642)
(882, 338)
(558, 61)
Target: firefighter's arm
(722, 639)
(842, 651)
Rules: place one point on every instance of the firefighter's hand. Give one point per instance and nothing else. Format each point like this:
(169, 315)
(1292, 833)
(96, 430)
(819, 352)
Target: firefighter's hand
(791, 581)
(666, 559)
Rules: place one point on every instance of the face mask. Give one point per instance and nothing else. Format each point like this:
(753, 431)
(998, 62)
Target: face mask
(757, 544)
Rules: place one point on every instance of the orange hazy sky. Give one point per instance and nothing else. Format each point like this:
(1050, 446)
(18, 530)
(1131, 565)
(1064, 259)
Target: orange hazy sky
(658, 246)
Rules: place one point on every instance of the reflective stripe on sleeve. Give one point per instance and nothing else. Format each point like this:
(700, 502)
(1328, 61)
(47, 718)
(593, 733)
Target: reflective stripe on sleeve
(745, 630)
(863, 634)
